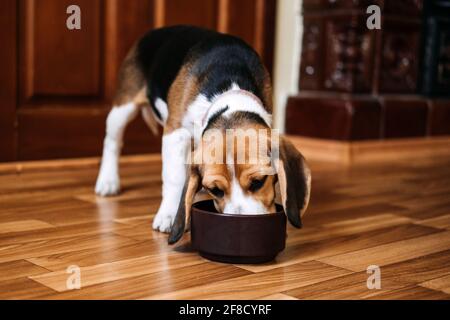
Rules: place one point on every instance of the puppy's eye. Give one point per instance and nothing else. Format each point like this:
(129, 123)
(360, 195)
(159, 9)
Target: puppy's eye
(217, 192)
(257, 184)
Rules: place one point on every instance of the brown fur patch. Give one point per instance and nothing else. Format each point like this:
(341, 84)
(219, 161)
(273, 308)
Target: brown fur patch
(131, 81)
(131, 87)
(246, 173)
(182, 93)
(217, 175)
(141, 98)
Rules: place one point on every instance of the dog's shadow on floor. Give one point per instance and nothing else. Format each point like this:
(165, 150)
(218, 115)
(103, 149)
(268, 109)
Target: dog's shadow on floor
(185, 247)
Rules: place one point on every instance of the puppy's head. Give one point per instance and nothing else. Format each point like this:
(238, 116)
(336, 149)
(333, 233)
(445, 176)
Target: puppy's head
(241, 167)
(236, 168)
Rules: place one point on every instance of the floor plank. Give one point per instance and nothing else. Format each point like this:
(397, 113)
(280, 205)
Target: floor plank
(441, 222)
(391, 252)
(122, 269)
(277, 296)
(344, 227)
(109, 252)
(441, 284)
(19, 269)
(23, 225)
(155, 284)
(346, 244)
(352, 286)
(69, 231)
(22, 289)
(412, 293)
(420, 269)
(255, 286)
(394, 278)
(47, 247)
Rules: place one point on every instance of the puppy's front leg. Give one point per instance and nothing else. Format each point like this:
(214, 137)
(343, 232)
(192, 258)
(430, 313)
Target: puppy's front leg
(175, 147)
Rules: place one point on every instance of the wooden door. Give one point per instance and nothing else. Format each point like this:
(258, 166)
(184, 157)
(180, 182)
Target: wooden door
(57, 83)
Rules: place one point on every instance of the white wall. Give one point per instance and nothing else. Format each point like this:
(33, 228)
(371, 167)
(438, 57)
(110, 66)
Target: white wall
(289, 30)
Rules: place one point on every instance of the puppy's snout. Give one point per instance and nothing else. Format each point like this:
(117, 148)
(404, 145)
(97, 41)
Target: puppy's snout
(248, 208)
(232, 209)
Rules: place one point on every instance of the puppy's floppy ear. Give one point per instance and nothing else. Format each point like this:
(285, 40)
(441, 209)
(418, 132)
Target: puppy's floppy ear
(182, 219)
(294, 179)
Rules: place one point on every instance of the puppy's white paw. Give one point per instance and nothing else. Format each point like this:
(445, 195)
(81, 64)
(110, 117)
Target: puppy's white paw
(108, 183)
(163, 221)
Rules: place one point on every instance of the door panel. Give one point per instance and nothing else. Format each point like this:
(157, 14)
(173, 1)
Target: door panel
(8, 79)
(65, 79)
(54, 59)
(125, 22)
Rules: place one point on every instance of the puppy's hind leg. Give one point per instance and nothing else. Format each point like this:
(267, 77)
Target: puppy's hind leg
(108, 181)
(129, 97)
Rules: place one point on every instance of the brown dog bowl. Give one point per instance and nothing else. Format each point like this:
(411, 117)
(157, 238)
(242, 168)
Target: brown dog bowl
(237, 238)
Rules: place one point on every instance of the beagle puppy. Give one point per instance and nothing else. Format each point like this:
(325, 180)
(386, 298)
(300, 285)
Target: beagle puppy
(195, 82)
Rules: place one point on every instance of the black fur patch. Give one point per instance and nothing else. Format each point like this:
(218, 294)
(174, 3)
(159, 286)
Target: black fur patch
(217, 61)
(252, 117)
(214, 118)
(235, 120)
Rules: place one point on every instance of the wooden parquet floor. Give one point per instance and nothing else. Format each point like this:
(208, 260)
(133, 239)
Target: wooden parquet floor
(393, 215)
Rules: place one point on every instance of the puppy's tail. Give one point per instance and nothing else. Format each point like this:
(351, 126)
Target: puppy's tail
(149, 118)
(141, 101)
(131, 86)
